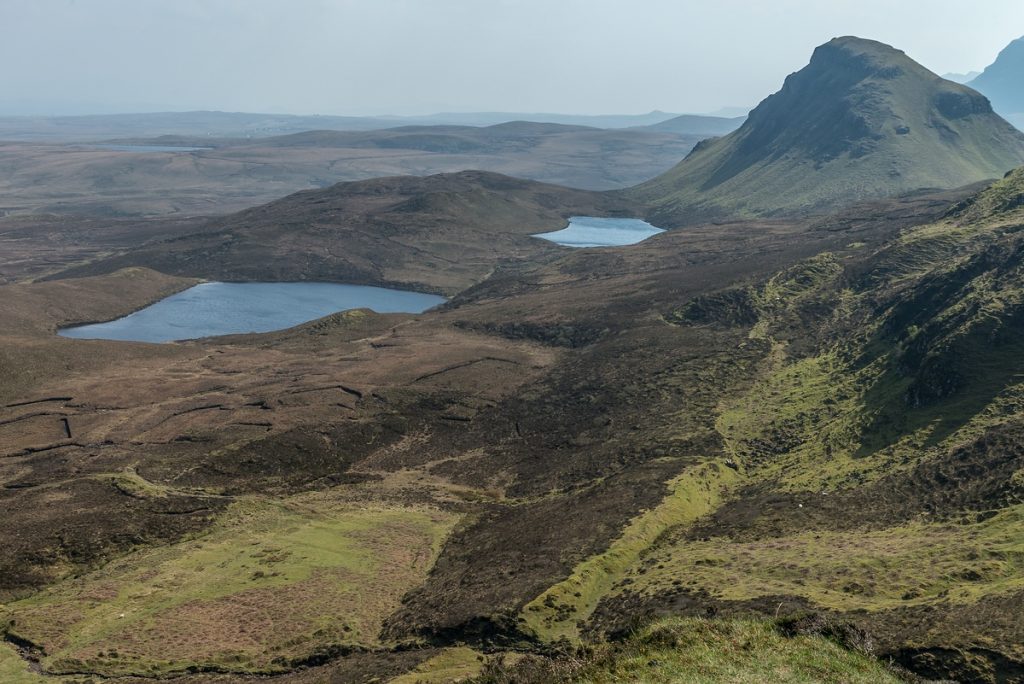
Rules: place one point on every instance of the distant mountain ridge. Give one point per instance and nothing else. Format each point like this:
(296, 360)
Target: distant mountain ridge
(861, 121)
(256, 125)
(691, 124)
(230, 174)
(493, 118)
(962, 78)
(1003, 83)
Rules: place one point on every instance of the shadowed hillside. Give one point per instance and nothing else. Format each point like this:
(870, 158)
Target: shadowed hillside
(706, 126)
(1003, 82)
(861, 121)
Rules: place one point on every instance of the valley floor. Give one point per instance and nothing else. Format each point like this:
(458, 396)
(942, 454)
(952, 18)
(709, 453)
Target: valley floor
(563, 473)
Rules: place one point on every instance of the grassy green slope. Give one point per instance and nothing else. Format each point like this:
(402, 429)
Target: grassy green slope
(877, 467)
(861, 121)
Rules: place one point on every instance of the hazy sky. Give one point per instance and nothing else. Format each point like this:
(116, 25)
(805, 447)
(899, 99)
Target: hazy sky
(423, 56)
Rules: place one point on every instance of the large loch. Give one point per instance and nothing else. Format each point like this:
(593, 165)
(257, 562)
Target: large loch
(211, 309)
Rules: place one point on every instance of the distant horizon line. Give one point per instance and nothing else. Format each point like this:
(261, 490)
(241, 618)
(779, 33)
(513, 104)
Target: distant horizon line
(724, 112)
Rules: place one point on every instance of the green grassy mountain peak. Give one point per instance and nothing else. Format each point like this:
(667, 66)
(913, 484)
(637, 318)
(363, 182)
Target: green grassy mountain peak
(861, 121)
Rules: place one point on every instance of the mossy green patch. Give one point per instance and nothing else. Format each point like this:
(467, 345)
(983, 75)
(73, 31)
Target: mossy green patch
(452, 665)
(131, 483)
(790, 414)
(917, 563)
(805, 425)
(826, 423)
(1003, 201)
(804, 279)
(698, 651)
(739, 652)
(271, 583)
(15, 670)
(555, 614)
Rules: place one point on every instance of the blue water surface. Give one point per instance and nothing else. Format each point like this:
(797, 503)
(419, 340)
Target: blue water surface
(146, 148)
(587, 231)
(212, 309)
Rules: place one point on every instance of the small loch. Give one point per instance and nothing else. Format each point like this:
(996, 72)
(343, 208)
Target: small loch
(112, 147)
(210, 309)
(587, 231)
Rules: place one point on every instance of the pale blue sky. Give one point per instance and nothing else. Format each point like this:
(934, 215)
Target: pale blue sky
(423, 56)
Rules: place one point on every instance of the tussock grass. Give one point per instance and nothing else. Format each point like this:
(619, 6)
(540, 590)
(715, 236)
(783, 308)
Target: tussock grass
(699, 651)
(739, 652)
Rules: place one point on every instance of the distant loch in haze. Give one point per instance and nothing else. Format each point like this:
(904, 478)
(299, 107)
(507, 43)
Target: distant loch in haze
(587, 231)
(211, 309)
(145, 148)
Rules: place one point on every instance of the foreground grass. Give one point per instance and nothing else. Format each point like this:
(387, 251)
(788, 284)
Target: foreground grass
(273, 583)
(872, 570)
(699, 651)
(738, 652)
(452, 665)
(14, 670)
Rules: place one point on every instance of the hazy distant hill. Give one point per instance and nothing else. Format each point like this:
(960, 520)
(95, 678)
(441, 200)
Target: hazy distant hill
(235, 173)
(212, 124)
(492, 118)
(1003, 83)
(689, 124)
(962, 78)
(861, 121)
(255, 125)
(510, 136)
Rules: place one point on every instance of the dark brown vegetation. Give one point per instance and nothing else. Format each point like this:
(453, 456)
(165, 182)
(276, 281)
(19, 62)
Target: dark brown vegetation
(439, 233)
(555, 391)
(35, 246)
